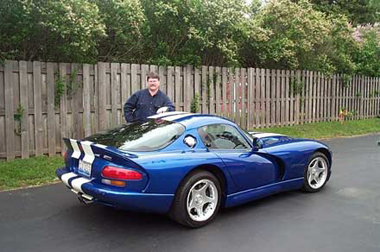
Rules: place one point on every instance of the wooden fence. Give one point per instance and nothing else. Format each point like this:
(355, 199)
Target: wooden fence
(42, 102)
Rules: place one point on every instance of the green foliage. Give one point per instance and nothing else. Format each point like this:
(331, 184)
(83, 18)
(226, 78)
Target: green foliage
(328, 129)
(194, 107)
(20, 112)
(296, 86)
(59, 89)
(288, 35)
(124, 23)
(64, 30)
(73, 85)
(357, 11)
(284, 34)
(367, 56)
(70, 87)
(29, 172)
(346, 79)
(18, 119)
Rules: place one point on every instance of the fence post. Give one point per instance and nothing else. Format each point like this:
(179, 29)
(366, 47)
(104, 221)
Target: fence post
(9, 110)
(24, 101)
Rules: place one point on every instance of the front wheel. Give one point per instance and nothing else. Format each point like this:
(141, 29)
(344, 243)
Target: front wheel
(316, 173)
(197, 200)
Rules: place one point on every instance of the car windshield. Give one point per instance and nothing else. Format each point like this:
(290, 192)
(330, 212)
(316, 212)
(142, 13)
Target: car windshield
(148, 136)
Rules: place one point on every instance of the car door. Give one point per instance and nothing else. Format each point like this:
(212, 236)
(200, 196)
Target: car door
(249, 169)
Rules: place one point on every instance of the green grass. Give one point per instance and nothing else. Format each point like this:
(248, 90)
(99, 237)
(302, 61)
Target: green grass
(36, 171)
(324, 130)
(29, 172)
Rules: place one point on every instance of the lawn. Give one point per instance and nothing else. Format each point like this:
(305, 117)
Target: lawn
(36, 171)
(29, 172)
(325, 130)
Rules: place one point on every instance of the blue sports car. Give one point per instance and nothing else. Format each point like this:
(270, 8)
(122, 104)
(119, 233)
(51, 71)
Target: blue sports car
(190, 165)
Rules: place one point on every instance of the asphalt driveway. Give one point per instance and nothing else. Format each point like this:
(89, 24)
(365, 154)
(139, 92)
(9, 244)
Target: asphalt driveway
(345, 216)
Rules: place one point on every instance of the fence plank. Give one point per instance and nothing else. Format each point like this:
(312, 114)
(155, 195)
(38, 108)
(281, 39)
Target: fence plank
(76, 103)
(333, 98)
(297, 100)
(50, 83)
(211, 90)
(267, 98)
(287, 97)
(204, 90)
(262, 98)
(231, 106)
(102, 95)
(170, 83)
(250, 98)
(218, 93)
(243, 98)
(187, 88)
(86, 100)
(144, 73)
(224, 91)
(25, 105)
(273, 97)
(9, 110)
(63, 106)
(292, 100)
(177, 88)
(283, 79)
(318, 97)
(257, 95)
(162, 75)
(314, 85)
(38, 125)
(125, 80)
(278, 97)
(114, 93)
(237, 91)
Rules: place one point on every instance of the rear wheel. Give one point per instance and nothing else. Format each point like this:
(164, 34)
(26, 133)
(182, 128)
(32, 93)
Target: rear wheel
(316, 174)
(197, 200)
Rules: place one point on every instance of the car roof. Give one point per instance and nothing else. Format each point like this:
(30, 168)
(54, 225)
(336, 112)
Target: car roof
(191, 120)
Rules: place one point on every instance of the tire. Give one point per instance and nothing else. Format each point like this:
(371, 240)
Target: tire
(316, 173)
(197, 200)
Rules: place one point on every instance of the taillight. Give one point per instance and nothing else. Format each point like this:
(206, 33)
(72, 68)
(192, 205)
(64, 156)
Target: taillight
(65, 155)
(120, 173)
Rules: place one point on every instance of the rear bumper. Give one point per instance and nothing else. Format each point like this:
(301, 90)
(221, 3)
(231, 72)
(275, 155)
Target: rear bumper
(117, 197)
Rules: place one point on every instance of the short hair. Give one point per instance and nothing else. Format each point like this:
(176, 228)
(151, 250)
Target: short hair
(152, 75)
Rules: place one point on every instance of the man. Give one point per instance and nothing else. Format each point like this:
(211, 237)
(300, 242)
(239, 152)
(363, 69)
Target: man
(147, 102)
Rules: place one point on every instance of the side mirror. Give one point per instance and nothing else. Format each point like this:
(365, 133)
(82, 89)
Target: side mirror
(257, 144)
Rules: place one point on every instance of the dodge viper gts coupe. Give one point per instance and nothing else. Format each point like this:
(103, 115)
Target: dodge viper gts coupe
(189, 166)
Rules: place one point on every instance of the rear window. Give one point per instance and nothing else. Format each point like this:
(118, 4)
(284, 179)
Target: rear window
(148, 136)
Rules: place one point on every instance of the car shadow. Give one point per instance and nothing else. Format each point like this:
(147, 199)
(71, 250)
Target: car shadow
(115, 220)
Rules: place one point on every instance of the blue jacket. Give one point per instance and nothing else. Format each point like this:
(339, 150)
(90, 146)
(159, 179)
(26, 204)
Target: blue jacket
(141, 105)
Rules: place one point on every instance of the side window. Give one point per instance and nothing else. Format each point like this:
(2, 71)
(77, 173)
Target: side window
(222, 136)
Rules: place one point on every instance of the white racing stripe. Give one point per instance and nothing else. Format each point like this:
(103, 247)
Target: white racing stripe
(175, 117)
(76, 152)
(78, 182)
(101, 146)
(65, 177)
(261, 135)
(89, 156)
(156, 116)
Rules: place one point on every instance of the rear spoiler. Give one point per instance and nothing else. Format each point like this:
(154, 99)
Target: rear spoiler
(88, 151)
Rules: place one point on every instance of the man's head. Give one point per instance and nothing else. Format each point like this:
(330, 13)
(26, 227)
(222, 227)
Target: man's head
(153, 81)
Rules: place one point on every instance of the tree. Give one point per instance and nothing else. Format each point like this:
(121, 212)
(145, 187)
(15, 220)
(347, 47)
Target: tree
(367, 56)
(49, 30)
(357, 11)
(289, 35)
(194, 32)
(124, 22)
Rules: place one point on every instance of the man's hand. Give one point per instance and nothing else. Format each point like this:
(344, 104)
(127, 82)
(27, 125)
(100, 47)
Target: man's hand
(162, 110)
